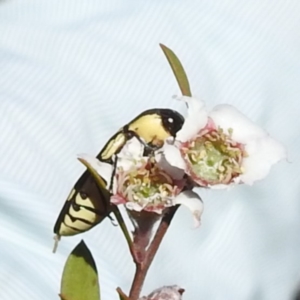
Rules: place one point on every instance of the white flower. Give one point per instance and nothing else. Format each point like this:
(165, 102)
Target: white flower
(146, 183)
(172, 292)
(222, 147)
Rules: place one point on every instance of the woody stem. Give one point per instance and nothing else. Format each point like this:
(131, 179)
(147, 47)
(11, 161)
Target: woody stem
(143, 267)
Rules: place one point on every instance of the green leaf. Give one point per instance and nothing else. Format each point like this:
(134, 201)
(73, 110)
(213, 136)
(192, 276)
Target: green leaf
(178, 71)
(123, 298)
(80, 277)
(122, 295)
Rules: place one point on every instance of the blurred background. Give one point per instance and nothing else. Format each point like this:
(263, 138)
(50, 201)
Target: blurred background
(73, 72)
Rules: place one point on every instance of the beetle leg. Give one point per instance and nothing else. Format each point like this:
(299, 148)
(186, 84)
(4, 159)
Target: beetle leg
(113, 174)
(130, 134)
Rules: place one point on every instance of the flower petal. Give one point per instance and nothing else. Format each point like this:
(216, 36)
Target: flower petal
(171, 155)
(103, 169)
(176, 170)
(171, 292)
(196, 119)
(244, 130)
(131, 155)
(193, 202)
(263, 153)
(116, 199)
(133, 148)
(133, 206)
(223, 186)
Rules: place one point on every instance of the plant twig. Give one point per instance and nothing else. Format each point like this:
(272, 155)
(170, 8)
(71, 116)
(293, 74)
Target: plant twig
(142, 268)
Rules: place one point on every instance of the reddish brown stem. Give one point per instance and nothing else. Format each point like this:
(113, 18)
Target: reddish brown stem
(142, 268)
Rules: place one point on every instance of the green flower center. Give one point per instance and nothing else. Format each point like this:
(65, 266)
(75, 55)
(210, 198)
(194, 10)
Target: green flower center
(214, 158)
(149, 186)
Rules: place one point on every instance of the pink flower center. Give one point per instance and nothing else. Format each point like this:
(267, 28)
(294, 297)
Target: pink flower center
(213, 157)
(148, 186)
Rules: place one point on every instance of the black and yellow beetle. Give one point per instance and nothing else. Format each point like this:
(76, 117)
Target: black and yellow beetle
(153, 126)
(88, 204)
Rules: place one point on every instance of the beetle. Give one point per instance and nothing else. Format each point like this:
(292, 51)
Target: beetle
(88, 204)
(153, 126)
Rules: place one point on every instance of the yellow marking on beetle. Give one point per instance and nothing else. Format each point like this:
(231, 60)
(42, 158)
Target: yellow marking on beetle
(86, 202)
(83, 214)
(66, 231)
(113, 146)
(149, 127)
(77, 224)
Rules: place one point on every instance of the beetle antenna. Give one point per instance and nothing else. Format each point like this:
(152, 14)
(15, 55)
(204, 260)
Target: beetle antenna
(113, 221)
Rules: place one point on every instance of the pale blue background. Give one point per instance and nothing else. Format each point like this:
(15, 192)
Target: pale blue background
(72, 72)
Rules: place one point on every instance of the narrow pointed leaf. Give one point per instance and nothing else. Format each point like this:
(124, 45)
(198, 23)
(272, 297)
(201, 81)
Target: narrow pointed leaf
(178, 71)
(80, 277)
(122, 296)
(97, 177)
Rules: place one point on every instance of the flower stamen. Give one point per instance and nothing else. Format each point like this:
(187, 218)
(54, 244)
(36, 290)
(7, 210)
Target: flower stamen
(148, 186)
(213, 157)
